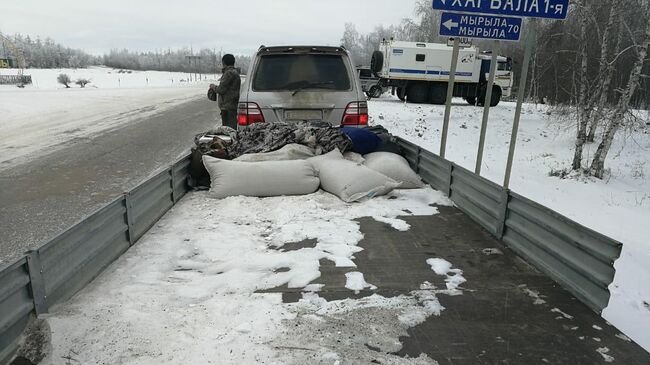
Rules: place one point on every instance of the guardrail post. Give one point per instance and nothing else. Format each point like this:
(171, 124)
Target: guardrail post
(36, 282)
(172, 170)
(417, 160)
(503, 212)
(449, 177)
(129, 217)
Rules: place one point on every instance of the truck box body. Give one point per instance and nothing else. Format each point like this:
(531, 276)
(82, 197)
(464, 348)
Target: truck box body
(420, 72)
(428, 62)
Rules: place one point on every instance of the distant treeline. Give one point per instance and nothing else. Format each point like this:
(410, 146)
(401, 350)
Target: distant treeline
(45, 53)
(182, 60)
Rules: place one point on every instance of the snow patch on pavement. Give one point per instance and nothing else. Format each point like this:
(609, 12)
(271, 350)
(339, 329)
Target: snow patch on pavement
(356, 282)
(603, 351)
(443, 267)
(189, 291)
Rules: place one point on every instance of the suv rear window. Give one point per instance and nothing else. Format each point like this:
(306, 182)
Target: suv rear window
(297, 71)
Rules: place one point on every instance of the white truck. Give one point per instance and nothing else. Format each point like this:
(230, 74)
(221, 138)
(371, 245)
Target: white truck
(419, 72)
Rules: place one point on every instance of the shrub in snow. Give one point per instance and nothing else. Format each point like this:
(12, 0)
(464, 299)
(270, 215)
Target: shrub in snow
(82, 82)
(64, 80)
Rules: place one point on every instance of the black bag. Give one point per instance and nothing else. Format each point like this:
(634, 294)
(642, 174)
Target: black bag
(212, 93)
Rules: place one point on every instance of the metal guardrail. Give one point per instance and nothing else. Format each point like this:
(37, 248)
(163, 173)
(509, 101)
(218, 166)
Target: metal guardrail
(15, 79)
(16, 306)
(56, 271)
(578, 258)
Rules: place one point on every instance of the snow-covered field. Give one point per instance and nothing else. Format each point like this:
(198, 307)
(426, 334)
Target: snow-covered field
(187, 292)
(618, 207)
(46, 114)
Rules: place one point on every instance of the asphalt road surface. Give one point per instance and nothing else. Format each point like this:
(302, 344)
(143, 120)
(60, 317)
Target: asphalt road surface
(41, 198)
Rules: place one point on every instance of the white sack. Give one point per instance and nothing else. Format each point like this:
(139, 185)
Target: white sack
(394, 166)
(261, 179)
(354, 157)
(319, 160)
(353, 182)
(289, 152)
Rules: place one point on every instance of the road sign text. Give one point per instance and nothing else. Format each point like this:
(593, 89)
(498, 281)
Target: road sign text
(480, 26)
(554, 9)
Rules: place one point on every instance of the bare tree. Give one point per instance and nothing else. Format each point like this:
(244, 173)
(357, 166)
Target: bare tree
(64, 80)
(583, 105)
(606, 71)
(82, 82)
(618, 117)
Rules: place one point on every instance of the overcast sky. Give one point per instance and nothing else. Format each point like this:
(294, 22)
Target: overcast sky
(239, 26)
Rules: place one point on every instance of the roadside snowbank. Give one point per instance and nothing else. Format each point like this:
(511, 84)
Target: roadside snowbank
(188, 291)
(618, 207)
(45, 114)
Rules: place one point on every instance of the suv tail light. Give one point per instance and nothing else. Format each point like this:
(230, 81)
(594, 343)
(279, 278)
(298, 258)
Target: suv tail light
(249, 113)
(356, 113)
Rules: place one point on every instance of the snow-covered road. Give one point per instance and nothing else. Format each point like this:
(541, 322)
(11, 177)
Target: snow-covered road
(45, 115)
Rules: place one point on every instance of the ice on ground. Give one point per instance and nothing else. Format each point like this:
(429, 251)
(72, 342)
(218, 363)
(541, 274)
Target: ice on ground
(397, 224)
(618, 207)
(356, 282)
(189, 290)
(603, 352)
(535, 295)
(443, 267)
(492, 251)
(439, 266)
(563, 315)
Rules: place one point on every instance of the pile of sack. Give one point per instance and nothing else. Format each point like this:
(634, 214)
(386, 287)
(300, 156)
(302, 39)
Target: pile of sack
(365, 169)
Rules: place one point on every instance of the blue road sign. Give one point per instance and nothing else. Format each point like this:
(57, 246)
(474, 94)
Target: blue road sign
(552, 9)
(480, 26)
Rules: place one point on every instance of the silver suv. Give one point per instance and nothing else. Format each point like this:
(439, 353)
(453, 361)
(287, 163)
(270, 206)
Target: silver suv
(302, 83)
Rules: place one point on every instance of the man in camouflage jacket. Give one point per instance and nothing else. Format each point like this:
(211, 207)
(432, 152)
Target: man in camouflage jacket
(228, 92)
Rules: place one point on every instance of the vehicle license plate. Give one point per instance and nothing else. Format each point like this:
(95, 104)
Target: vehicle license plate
(303, 115)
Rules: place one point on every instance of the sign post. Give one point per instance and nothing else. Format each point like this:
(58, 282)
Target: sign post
(486, 109)
(520, 99)
(450, 95)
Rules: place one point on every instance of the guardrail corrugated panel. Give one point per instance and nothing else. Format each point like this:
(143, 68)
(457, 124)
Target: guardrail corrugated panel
(410, 151)
(16, 306)
(435, 171)
(479, 198)
(180, 172)
(577, 257)
(77, 256)
(150, 201)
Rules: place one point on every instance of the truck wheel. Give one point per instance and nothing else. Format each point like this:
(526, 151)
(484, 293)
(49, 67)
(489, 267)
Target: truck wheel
(401, 94)
(438, 94)
(471, 100)
(418, 93)
(377, 62)
(496, 96)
